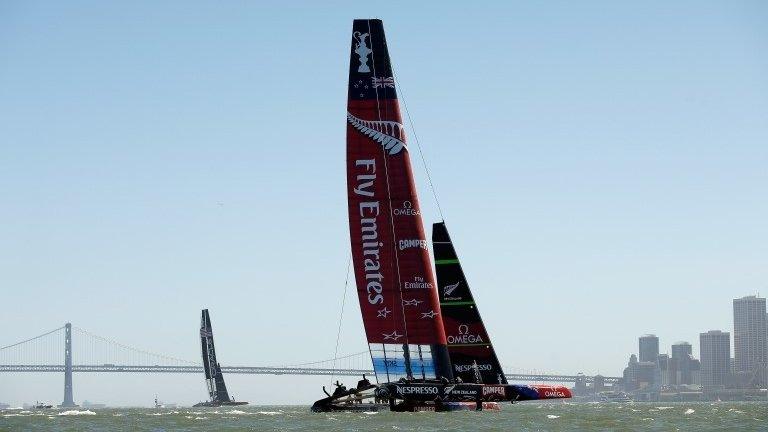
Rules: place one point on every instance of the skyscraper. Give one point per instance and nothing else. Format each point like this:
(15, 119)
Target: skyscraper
(715, 352)
(682, 363)
(649, 348)
(749, 338)
(663, 363)
(681, 350)
(638, 375)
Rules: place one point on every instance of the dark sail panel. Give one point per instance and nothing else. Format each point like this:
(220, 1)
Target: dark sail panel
(468, 342)
(214, 380)
(395, 282)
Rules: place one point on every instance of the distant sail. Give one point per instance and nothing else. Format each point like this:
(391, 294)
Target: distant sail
(395, 282)
(217, 390)
(468, 341)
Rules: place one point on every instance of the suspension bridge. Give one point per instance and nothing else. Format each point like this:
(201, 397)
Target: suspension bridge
(53, 352)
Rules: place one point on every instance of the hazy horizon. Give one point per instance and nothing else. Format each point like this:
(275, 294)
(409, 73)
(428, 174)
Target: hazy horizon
(601, 167)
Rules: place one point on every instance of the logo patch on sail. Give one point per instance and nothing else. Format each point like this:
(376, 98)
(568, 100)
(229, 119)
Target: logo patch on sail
(383, 82)
(392, 336)
(464, 337)
(412, 243)
(363, 51)
(449, 289)
(389, 134)
(430, 314)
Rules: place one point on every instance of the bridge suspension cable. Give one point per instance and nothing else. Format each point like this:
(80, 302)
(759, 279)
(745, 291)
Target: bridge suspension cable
(32, 338)
(358, 360)
(93, 349)
(42, 349)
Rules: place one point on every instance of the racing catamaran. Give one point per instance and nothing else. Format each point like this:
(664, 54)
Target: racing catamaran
(214, 380)
(430, 351)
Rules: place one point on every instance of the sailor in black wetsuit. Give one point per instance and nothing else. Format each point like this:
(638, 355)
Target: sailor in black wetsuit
(341, 390)
(363, 383)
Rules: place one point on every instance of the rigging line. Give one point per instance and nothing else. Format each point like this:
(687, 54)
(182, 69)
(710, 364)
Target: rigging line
(31, 339)
(389, 192)
(341, 315)
(418, 144)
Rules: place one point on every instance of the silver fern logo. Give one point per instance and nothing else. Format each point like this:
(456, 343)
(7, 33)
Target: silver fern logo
(390, 134)
(449, 289)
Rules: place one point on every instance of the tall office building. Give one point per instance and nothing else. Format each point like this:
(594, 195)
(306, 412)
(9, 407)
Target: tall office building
(749, 338)
(638, 375)
(715, 353)
(663, 363)
(681, 350)
(649, 348)
(682, 363)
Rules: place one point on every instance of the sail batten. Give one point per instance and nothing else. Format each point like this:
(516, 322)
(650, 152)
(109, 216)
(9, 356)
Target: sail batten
(393, 271)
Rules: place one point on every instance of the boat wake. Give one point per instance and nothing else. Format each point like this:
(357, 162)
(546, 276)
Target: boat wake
(77, 413)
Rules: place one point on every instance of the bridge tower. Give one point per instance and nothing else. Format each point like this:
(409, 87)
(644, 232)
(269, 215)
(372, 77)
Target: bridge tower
(68, 400)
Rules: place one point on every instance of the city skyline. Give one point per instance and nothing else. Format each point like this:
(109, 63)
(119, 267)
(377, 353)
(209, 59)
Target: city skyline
(601, 171)
(652, 343)
(718, 371)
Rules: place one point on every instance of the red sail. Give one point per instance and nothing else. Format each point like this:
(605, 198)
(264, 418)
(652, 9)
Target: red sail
(395, 282)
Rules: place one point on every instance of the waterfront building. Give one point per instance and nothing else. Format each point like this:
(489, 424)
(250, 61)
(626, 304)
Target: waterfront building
(639, 375)
(750, 339)
(715, 354)
(681, 350)
(648, 348)
(598, 383)
(682, 364)
(683, 368)
(663, 366)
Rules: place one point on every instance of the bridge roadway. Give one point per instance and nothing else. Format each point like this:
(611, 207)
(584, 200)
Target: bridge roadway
(262, 370)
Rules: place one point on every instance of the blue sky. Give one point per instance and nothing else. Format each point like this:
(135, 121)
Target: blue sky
(601, 167)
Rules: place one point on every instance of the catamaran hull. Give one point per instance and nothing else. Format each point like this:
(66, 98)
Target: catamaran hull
(469, 392)
(407, 407)
(439, 397)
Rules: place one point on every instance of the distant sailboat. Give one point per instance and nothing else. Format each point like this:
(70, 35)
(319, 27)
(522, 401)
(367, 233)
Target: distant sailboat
(214, 379)
(430, 351)
(161, 404)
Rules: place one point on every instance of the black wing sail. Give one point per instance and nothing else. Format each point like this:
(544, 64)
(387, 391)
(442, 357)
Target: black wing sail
(469, 346)
(214, 380)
